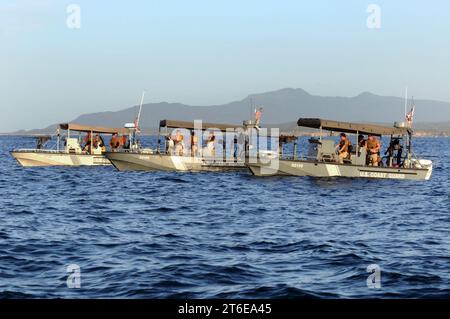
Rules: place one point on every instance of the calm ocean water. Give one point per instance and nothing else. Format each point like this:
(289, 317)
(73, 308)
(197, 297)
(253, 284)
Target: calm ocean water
(226, 235)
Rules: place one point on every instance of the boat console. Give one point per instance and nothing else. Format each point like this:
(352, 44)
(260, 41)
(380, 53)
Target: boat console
(321, 150)
(73, 146)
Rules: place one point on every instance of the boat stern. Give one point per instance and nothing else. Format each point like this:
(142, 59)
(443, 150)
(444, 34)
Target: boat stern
(424, 164)
(266, 164)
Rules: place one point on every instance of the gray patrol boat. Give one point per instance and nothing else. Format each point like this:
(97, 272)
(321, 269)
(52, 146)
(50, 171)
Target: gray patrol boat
(171, 155)
(321, 160)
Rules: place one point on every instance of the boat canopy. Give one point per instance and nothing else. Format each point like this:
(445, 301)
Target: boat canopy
(348, 127)
(93, 129)
(190, 125)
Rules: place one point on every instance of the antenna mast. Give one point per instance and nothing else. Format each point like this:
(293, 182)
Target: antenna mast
(140, 109)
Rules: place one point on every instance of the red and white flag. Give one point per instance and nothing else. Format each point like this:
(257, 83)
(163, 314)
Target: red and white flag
(136, 125)
(410, 114)
(258, 114)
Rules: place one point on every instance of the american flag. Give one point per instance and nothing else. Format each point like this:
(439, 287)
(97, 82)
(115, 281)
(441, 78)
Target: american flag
(410, 114)
(136, 125)
(258, 113)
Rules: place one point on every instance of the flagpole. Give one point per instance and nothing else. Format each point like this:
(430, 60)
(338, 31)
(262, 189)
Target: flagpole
(136, 122)
(140, 109)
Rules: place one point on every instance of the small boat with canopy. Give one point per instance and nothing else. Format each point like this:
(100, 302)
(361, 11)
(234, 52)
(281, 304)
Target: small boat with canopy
(180, 147)
(322, 160)
(73, 152)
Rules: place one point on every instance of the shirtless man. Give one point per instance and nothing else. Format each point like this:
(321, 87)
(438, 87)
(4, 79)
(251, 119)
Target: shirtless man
(114, 143)
(373, 148)
(179, 143)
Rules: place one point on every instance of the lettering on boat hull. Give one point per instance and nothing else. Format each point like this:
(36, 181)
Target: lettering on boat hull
(381, 175)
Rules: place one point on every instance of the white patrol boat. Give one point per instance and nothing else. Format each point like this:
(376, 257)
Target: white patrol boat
(72, 154)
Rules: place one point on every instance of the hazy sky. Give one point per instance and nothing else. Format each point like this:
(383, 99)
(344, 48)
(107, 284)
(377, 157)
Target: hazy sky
(212, 52)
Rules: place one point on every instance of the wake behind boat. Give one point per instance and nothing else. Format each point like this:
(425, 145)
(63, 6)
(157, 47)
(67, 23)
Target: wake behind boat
(326, 159)
(73, 154)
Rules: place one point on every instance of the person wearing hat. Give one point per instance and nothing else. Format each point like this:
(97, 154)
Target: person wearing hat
(343, 148)
(373, 148)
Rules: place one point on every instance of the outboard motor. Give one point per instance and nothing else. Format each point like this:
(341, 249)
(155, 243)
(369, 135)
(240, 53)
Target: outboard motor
(422, 163)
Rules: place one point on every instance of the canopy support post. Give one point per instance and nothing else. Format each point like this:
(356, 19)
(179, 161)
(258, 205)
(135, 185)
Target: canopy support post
(165, 140)
(295, 149)
(409, 147)
(58, 140)
(357, 144)
(280, 148)
(224, 149)
(158, 148)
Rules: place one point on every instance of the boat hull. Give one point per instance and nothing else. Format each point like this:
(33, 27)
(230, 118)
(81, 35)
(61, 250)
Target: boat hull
(322, 169)
(125, 161)
(42, 159)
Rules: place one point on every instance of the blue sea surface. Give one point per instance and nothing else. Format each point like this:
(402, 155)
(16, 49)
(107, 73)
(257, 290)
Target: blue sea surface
(221, 235)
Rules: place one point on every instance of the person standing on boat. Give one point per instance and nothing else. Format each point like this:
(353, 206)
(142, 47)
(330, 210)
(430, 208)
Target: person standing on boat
(343, 148)
(87, 143)
(183, 146)
(373, 147)
(394, 147)
(99, 145)
(361, 141)
(114, 143)
(170, 145)
(179, 144)
(210, 147)
(194, 144)
(235, 148)
(124, 143)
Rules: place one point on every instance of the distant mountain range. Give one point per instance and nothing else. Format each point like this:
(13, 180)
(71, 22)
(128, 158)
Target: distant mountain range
(280, 108)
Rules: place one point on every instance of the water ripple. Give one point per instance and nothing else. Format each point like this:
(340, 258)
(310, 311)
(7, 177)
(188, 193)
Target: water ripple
(186, 235)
